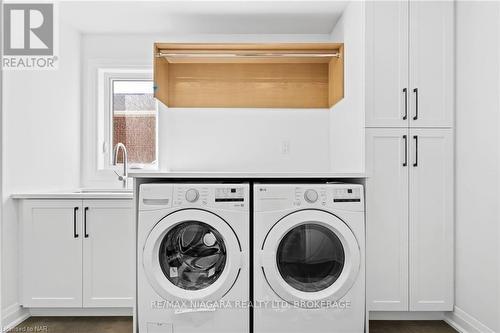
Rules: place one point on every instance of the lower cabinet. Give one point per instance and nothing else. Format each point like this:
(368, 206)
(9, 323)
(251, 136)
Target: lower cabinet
(409, 219)
(77, 253)
(51, 253)
(387, 220)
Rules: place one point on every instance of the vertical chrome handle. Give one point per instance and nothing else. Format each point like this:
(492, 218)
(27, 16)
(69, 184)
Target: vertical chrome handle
(416, 103)
(416, 150)
(75, 233)
(405, 138)
(405, 91)
(85, 234)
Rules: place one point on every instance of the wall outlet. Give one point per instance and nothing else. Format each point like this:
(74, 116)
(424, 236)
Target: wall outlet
(285, 147)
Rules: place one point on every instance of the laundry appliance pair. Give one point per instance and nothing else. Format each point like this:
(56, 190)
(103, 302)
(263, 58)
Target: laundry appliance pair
(240, 257)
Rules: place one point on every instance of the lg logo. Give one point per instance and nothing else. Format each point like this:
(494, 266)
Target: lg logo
(28, 29)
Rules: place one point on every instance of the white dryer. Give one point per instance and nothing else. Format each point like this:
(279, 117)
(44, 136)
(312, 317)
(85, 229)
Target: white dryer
(309, 270)
(192, 258)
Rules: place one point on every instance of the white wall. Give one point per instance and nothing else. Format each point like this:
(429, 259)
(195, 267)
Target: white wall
(41, 133)
(477, 162)
(244, 139)
(347, 118)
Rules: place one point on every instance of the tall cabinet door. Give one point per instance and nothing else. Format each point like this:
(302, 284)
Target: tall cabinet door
(431, 63)
(108, 253)
(387, 63)
(387, 219)
(51, 253)
(431, 220)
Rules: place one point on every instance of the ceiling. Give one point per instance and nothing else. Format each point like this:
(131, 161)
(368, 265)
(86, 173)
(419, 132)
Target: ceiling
(200, 17)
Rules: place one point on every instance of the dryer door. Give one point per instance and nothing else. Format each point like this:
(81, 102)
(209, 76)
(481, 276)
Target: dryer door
(190, 255)
(310, 257)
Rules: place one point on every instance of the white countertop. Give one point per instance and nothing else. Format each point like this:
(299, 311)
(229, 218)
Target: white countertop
(128, 194)
(255, 175)
(77, 194)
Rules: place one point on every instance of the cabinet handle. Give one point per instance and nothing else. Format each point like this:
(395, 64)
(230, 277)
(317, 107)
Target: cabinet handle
(405, 91)
(405, 163)
(416, 150)
(85, 234)
(416, 103)
(75, 211)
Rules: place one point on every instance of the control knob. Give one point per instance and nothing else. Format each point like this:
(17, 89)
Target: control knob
(311, 196)
(192, 195)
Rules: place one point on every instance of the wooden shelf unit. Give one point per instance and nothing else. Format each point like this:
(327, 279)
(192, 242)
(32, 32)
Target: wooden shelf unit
(298, 75)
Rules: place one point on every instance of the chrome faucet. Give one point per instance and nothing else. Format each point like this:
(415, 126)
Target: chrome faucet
(123, 177)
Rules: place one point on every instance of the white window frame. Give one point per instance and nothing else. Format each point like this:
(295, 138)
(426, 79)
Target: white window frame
(105, 114)
(94, 171)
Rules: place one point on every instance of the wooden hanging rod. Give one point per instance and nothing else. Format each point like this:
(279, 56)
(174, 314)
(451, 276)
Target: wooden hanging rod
(247, 55)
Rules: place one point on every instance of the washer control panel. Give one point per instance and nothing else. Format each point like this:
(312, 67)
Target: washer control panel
(347, 194)
(230, 194)
(186, 194)
(155, 196)
(212, 195)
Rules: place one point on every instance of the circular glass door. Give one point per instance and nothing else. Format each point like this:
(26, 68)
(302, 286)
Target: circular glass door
(310, 255)
(192, 254)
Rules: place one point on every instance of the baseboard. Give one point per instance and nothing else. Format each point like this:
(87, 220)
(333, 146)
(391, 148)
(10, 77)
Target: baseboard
(13, 315)
(465, 323)
(403, 315)
(79, 312)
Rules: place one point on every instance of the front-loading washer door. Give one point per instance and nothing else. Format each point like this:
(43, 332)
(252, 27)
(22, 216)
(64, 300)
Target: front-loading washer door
(310, 257)
(190, 255)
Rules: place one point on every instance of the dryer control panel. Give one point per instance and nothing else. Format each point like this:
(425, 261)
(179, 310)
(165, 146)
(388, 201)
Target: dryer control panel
(269, 197)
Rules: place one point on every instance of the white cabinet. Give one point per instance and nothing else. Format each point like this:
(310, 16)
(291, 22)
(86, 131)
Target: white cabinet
(51, 253)
(387, 63)
(409, 219)
(108, 252)
(77, 253)
(410, 63)
(431, 220)
(409, 155)
(387, 219)
(431, 63)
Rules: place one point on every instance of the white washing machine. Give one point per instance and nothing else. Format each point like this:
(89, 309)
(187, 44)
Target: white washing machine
(309, 270)
(192, 260)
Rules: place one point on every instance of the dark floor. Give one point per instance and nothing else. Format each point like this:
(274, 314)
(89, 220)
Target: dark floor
(75, 325)
(124, 325)
(423, 326)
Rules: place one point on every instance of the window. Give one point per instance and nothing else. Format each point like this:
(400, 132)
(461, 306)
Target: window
(134, 120)
(127, 114)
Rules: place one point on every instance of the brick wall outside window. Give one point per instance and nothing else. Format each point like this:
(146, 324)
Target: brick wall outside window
(134, 125)
(138, 134)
